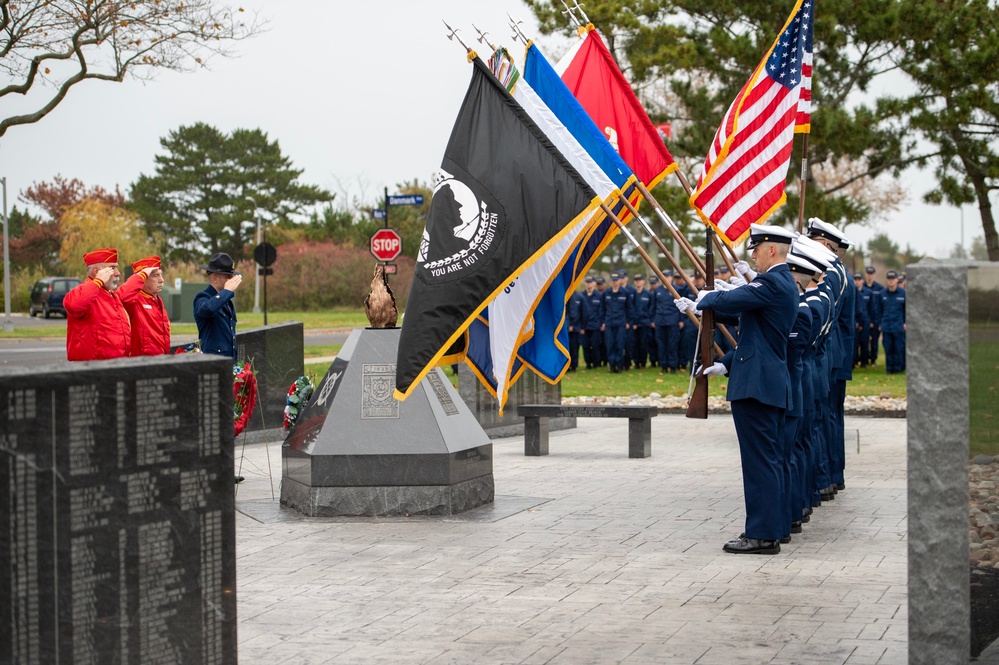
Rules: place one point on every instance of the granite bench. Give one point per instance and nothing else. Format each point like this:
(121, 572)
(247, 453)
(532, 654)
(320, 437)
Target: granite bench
(536, 424)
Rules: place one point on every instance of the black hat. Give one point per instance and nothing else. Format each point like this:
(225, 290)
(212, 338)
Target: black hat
(600, 279)
(653, 279)
(891, 274)
(857, 275)
(220, 263)
(870, 270)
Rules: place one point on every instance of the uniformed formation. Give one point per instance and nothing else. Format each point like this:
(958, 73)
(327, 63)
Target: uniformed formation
(106, 321)
(879, 317)
(787, 375)
(622, 326)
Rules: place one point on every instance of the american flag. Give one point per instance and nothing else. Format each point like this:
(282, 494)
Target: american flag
(745, 171)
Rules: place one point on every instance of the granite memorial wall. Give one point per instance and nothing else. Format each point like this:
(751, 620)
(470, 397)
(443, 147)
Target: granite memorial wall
(117, 530)
(277, 352)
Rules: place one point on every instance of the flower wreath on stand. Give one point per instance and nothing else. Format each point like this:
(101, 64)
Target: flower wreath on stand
(244, 395)
(298, 398)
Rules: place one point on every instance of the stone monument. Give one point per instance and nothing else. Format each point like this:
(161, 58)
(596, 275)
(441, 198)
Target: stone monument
(356, 450)
(117, 529)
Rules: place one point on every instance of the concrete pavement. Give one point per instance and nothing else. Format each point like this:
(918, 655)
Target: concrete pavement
(586, 556)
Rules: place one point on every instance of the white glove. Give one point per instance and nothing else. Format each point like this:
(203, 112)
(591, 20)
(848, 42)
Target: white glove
(743, 269)
(722, 285)
(684, 304)
(735, 280)
(717, 369)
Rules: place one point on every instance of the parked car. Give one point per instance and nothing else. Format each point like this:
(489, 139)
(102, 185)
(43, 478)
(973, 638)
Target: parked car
(47, 295)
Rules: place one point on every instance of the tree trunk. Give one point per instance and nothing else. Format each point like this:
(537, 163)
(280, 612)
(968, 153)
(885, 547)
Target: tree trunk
(988, 221)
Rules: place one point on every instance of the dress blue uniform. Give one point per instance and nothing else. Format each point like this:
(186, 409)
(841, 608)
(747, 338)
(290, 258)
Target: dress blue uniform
(629, 330)
(593, 338)
(641, 325)
(666, 319)
(759, 389)
(875, 335)
(574, 319)
(617, 312)
(862, 324)
(215, 316)
(892, 326)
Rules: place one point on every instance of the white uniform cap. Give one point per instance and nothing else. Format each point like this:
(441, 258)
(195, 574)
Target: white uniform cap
(819, 229)
(800, 264)
(765, 233)
(817, 254)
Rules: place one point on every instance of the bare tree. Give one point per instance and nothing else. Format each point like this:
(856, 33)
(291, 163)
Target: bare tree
(49, 46)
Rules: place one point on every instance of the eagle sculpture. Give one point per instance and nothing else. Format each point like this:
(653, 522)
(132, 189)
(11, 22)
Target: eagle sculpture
(379, 305)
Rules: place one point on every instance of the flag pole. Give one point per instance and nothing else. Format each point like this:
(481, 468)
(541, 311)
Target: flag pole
(804, 170)
(652, 264)
(718, 243)
(669, 257)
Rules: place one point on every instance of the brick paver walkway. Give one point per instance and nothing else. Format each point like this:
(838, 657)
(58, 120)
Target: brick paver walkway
(587, 556)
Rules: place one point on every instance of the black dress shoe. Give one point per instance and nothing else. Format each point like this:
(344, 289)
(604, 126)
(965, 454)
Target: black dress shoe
(806, 516)
(827, 494)
(840, 486)
(239, 479)
(743, 545)
(796, 527)
(785, 540)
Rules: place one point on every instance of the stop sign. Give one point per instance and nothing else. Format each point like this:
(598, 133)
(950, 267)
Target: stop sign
(386, 244)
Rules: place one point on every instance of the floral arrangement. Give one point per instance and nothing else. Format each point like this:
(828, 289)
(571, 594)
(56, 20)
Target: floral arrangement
(244, 395)
(298, 398)
(190, 348)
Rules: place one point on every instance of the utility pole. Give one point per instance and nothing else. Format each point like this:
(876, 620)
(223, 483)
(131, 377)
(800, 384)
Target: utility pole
(8, 325)
(256, 284)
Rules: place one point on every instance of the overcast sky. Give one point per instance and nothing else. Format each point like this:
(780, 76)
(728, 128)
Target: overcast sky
(361, 95)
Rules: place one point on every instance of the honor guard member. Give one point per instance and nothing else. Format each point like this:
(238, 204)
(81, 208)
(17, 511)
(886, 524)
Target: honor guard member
(759, 387)
(874, 339)
(574, 318)
(861, 323)
(601, 287)
(593, 313)
(892, 324)
(641, 323)
(667, 321)
(97, 326)
(841, 360)
(617, 313)
(140, 294)
(214, 309)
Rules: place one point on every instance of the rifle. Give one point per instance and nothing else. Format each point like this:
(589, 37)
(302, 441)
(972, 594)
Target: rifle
(697, 407)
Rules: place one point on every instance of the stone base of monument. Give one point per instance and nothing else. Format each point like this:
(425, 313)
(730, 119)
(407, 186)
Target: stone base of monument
(355, 450)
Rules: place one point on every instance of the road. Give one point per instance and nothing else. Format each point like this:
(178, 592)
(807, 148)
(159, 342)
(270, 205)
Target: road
(37, 351)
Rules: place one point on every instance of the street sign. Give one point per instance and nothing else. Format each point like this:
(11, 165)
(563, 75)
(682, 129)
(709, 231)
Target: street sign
(406, 200)
(265, 271)
(378, 213)
(390, 268)
(265, 254)
(386, 244)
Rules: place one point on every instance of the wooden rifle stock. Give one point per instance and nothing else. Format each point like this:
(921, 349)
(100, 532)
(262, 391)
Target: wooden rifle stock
(697, 407)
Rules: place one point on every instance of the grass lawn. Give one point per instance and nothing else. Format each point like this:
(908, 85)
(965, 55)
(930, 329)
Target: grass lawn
(335, 319)
(984, 398)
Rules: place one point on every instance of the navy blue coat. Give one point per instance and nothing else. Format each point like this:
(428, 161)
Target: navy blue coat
(594, 311)
(574, 313)
(846, 330)
(617, 307)
(641, 308)
(862, 312)
(664, 311)
(767, 307)
(215, 315)
(797, 341)
(893, 310)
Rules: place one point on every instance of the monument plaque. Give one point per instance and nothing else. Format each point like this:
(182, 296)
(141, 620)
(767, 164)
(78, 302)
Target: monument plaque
(118, 528)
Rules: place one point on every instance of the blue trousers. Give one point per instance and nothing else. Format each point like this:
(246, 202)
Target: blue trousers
(573, 349)
(760, 428)
(640, 346)
(668, 345)
(894, 343)
(792, 485)
(837, 447)
(615, 339)
(593, 347)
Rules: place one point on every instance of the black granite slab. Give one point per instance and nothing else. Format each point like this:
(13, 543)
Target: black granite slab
(277, 352)
(117, 530)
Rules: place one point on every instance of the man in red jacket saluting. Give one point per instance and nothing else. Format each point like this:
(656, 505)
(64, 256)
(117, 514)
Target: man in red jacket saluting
(97, 324)
(140, 294)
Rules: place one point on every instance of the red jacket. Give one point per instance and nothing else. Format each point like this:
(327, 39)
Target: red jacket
(150, 322)
(97, 324)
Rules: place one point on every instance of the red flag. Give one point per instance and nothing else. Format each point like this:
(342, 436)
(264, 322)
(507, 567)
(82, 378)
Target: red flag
(746, 168)
(589, 71)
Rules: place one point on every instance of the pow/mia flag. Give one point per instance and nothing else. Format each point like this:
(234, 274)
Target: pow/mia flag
(503, 195)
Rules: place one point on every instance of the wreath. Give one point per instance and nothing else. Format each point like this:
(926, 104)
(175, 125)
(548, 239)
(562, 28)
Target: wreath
(244, 395)
(298, 398)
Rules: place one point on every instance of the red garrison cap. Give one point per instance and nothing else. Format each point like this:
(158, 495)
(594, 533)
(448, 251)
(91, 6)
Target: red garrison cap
(102, 255)
(147, 262)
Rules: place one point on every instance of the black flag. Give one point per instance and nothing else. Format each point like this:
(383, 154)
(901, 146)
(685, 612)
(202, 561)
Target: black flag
(502, 196)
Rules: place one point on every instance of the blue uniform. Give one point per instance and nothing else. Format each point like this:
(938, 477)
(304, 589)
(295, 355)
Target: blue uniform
(806, 448)
(617, 311)
(797, 341)
(574, 319)
(641, 325)
(875, 336)
(629, 331)
(666, 319)
(893, 329)
(862, 327)
(593, 337)
(759, 389)
(843, 372)
(215, 316)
